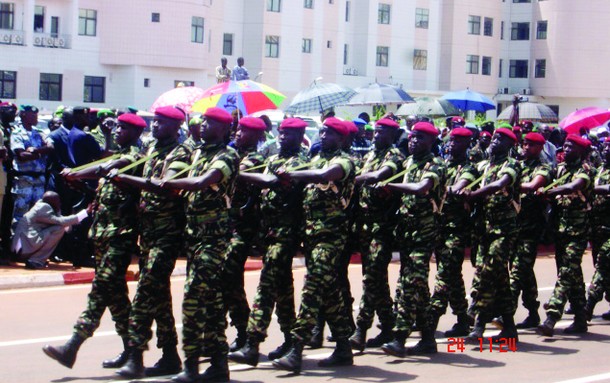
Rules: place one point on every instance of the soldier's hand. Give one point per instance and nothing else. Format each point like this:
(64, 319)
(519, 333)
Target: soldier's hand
(112, 174)
(91, 208)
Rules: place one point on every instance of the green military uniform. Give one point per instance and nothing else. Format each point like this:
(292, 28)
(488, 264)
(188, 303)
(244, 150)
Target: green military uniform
(600, 240)
(191, 144)
(531, 223)
(162, 226)
(115, 236)
(100, 138)
(417, 232)
(207, 236)
(477, 154)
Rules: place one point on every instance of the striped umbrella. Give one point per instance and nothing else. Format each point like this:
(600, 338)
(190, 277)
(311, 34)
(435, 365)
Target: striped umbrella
(530, 111)
(247, 95)
(320, 97)
(427, 106)
(380, 94)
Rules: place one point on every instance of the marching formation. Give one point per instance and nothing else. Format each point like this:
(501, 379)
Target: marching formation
(493, 190)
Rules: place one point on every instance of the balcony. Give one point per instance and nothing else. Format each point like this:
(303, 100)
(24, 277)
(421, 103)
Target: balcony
(52, 40)
(12, 37)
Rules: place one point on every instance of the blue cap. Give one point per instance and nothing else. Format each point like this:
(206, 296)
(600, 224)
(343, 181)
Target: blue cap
(359, 121)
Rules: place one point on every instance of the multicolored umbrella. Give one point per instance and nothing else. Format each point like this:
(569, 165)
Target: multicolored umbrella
(586, 118)
(247, 95)
(320, 97)
(376, 93)
(182, 97)
(469, 100)
(429, 107)
(530, 111)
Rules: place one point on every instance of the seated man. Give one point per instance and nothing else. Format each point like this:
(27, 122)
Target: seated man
(40, 230)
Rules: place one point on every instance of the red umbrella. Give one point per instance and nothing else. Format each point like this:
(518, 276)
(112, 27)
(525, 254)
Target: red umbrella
(585, 118)
(182, 97)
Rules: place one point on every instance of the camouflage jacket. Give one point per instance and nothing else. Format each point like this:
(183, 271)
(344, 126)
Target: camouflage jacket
(453, 210)
(244, 194)
(372, 200)
(424, 206)
(532, 206)
(99, 137)
(576, 203)
(191, 144)
(600, 210)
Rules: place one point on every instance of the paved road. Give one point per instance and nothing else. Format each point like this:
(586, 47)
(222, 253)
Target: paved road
(30, 318)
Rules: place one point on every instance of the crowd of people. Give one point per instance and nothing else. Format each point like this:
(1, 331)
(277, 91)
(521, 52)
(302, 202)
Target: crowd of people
(215, 197)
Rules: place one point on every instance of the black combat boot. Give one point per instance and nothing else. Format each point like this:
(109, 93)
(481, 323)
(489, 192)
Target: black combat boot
(548, 327)
(358, 339)
(218, 370)
(589, 307)
(246, 355)
(317, 336)
(119, 360)
(477, 330)
(282, 349)
(342, 356)
(240, 341)
(461, 328)
(509, 331)
(579, 326)
(606, 315)
(397, 346)
(427, 344)
(66, 354)
(293, 360)
(386, 335)
(169, 363)
(190, 373)
(531, 321)
(134, 367)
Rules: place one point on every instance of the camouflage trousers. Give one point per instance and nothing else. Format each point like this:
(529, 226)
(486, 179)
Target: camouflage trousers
(377, 240)
(26, 192)
(275, 288)
(522, 276)
(109, 288)
(449, 286)
(202, 307)
(600, 283)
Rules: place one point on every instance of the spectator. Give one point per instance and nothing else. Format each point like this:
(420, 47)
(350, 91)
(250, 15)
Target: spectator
(223, 74)
(239, 71)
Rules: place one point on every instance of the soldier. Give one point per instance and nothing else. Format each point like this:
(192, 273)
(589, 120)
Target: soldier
(531, 223)
(115, 239)
(281, 209)
(498, 199)
(455, 229)
(422, 189)
(478, 152)
(194, 138)
(213, 171)
(103, 133)
(162, 225)
(575, 179)
(327, 194)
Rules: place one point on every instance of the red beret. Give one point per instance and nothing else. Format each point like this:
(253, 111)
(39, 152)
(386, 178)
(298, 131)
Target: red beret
(254, 123)
(485, 133)
(293, 123)
(578, 140)
(132, 119)
(218, 114)
(337, 125)
(508, 133)
(457, 120)
(387, 122)
(351, 127)
(516, 128)
(535, 137)
(425, 127)
(461, 132)
(170, 112)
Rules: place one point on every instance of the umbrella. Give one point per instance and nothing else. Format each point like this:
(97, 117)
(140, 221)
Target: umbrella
(428, 106)
(182, 97)
(380, 94)
(585, 118)
(320, 97)
(247, 95)
(531, 111)
(469, 100)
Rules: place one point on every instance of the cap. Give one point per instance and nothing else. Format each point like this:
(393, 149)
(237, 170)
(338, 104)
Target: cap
(80, 110)
(28, 108)
(425, 127)
(293, 123)
(105, 113)
(508, 133)
(505, 125)
(387, 122)
(461, 132)
(485, 133)
(197, 120)
(535, 137)
(133, 119)
(253, 123)
(578, 140)
(457, 120)
(337, 125)
(359, 121)
(218, 114)
(368, 127)
(351, 127)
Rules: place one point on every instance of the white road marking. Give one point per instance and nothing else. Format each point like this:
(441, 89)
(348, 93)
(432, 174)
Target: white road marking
(587, 379)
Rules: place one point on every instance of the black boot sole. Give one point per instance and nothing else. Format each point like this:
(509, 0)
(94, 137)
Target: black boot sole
(284, 367)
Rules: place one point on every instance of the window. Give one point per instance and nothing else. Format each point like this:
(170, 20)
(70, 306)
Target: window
(39, 19)
(541, 28)
(197, 30)
(472, 64)
(329, 44)
(87, 22)
(518, 69)
(500, 62)
(155, 17)
(306, 46)
(540, 69)
(347, 9)
(474, 25)
(382, 56)
(227, 44)
(421, 17)
(146, 83)
(308, 4)
(522, 1)
(8, 84)
(383, 15)
(272, 46)
(345, 53)
(181, 83)
(502, 30)
(54, 26)
(50, 87)
(488, 26)
(95, 89)
(420, 59)
(520, 31)
(7, 15)
(274, 5)
(486, 66)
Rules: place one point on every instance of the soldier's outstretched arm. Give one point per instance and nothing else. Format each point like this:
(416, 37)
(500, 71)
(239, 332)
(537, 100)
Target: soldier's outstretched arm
(458, 186)
(417, 188)
(373, 177)
(147, 184)
(569, 188)
(202, 182)
(258, 179)
(332, 173)
(491, 188)
(535, 184)
(95, 172)
(602, 189)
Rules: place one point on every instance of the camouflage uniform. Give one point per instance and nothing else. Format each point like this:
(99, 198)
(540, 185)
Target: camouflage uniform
(191, 144)
(531, 223)
(477, 154)
(207, 236)
(100, 138)
(115, 235)
(572, 226)
(491, 292)
(162, 226)
(455, 227)
(326, 232)
(417, 231)
(281, 209)
(600, 239)
(377, 211)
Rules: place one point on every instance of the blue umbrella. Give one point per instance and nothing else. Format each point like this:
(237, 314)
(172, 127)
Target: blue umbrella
(469, 100)
(380, 94)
